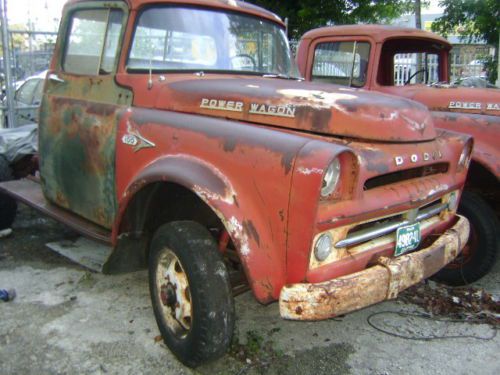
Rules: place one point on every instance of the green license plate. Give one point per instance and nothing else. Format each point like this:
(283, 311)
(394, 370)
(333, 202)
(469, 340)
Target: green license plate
(407, 238)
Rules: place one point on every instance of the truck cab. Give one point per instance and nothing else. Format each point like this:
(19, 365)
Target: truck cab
(180, 134)
(414, 64)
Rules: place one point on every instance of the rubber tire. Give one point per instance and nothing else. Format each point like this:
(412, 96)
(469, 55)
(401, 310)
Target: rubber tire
(485, 223)
(8, 205)
(211, 294)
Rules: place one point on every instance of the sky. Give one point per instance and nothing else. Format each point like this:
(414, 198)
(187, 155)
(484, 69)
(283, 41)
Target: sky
(45, 14)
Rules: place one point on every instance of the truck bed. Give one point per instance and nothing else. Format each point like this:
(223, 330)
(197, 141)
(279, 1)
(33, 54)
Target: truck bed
(29, 191)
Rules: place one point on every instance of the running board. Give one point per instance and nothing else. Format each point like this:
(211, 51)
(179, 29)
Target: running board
(30, 192)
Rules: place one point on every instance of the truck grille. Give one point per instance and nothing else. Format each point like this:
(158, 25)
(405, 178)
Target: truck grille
(381, 227)
(408, 174)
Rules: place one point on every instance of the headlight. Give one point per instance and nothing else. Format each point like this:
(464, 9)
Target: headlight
(465, 156)
(331, 178)
(323, 247)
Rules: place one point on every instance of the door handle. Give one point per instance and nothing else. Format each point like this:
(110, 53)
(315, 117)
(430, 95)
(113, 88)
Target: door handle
(55, 77)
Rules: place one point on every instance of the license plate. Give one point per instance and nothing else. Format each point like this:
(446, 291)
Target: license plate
(407, 238)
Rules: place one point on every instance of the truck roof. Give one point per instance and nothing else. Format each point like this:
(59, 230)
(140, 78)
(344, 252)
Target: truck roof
(239, 6)
(379, 33)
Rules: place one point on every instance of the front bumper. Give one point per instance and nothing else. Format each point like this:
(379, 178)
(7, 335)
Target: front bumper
(375, 284)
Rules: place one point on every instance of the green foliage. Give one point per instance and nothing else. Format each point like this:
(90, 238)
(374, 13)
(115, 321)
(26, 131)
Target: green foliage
(304, 15)
(254, 342)
(474, 20)
(491, 66)
(258, 349)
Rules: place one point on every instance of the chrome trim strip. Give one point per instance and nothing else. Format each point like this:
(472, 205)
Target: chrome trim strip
(383, 229)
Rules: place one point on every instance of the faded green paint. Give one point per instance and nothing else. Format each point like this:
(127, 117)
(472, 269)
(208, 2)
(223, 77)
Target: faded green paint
(78, 125)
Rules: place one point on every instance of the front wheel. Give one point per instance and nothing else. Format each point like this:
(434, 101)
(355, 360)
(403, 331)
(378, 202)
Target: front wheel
(190, 292)
(479, 254)
(8, 206)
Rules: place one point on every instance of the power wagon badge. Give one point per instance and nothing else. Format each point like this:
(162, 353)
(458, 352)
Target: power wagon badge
(474, 105)
(255, 108)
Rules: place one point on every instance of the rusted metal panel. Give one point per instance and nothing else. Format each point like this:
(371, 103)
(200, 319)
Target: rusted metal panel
(379, 33)
(375, 284)
(486, 132)
(464, 100)
(30, 193)
(77, 145)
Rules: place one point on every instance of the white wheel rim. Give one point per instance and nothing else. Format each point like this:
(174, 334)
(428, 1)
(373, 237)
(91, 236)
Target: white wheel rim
(174, 295)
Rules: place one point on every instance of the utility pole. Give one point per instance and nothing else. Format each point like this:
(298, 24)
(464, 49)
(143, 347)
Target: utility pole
(418, 25)
(418, 14)
(498, 62)
(7, 65)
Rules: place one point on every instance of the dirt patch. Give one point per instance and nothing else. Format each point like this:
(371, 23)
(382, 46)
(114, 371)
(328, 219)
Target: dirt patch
(467, 303)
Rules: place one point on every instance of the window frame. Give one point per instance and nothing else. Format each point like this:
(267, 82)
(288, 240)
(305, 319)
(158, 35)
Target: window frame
(66, 35)
(343, 38)
(355, 42)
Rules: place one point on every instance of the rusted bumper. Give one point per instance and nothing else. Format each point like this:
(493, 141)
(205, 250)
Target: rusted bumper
(375, 284)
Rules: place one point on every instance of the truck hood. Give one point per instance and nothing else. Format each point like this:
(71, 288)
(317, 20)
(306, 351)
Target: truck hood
(297, 105)
(446, 98)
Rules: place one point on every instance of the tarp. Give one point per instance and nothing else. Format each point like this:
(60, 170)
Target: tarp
(18, 142)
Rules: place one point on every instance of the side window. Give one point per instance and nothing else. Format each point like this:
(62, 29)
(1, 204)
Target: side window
(92, 45)
(26, 91)
(342, 63)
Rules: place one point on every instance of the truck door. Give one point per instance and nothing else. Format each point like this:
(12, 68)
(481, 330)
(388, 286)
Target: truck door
(80, 110)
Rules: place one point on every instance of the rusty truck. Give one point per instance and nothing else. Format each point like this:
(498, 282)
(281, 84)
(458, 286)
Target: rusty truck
(179, 134)
(415, 64)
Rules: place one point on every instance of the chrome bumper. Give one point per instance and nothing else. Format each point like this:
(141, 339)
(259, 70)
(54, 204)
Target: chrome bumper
(372, 285)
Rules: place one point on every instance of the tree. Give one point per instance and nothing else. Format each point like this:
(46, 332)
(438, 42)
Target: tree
(19, 41)
(304, 15)
(474, 20)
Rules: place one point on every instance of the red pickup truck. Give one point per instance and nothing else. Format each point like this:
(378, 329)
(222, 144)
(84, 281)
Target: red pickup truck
(178, 133)
(414, 64)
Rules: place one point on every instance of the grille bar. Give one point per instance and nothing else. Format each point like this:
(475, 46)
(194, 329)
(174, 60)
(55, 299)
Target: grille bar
(381, 230)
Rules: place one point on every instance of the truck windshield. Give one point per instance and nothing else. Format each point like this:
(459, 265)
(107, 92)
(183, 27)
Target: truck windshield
(178, 38)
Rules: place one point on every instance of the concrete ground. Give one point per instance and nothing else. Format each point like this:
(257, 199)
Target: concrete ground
(67, 320)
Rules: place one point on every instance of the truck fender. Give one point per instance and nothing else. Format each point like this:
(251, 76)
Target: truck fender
(243, 217)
